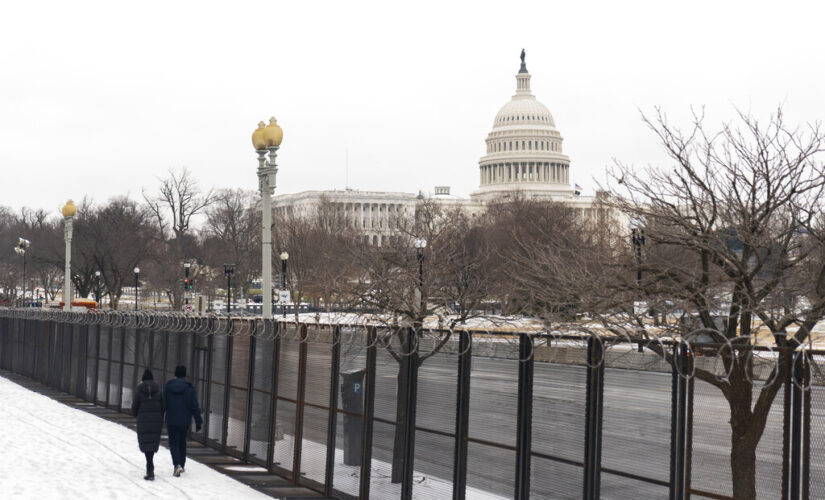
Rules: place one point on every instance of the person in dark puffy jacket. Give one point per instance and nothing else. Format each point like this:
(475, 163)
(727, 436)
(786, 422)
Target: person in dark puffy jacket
(181, 406)
(147, 406)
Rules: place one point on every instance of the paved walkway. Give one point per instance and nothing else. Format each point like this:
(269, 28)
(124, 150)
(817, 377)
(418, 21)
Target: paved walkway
(254, 476)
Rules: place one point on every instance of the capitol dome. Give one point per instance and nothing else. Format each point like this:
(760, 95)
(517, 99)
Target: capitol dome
(524, 150)
(523, 109)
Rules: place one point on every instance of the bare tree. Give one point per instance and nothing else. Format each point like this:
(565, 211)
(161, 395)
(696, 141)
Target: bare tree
(233, 236)
(10, 263)
(179, 198)
(541, 250)
(318, 243)
(405, 285)
(735, 240)
(123, 237)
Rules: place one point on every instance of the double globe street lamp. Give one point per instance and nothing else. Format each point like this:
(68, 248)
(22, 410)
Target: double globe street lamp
(267, 138)
(20, 248)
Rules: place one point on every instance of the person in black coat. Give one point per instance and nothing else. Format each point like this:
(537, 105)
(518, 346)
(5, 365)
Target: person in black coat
(181, 406)
(148, 407)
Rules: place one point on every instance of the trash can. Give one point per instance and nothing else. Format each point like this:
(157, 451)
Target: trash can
(352, 397)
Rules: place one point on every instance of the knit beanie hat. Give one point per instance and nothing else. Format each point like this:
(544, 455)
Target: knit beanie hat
(147, 375)
(180, 371)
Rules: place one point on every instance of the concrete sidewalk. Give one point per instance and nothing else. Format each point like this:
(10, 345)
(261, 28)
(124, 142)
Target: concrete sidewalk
(251, 475)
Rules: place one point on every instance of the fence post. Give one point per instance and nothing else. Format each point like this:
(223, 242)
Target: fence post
(795, 385)
(462, 414)
(32, 349)
(249, 393)
(678, 421)
(138, 352)
(273, 395)
(226, 391)
(369, 411)
(524, 424)
(593, 418)
(806, 429)
(164, 335)
(70, 354)
(62, 382)
(210, 346)
(109, 366)
(409, 421)
(21, 339)
(332, 426)
(150, 363)
(82, 360)
(57, 356)
(97, 364)
(121, 363)
(299, 406)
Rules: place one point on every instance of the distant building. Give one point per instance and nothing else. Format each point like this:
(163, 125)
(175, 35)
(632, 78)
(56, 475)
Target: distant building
(524, 158)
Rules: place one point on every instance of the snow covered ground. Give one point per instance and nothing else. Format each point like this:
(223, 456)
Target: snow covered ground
(49, 450)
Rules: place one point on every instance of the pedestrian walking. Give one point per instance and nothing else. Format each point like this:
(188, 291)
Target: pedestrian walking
(181, 406)
(147, 406)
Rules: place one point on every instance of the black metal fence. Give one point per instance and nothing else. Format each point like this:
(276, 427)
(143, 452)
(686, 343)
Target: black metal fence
(494, 415)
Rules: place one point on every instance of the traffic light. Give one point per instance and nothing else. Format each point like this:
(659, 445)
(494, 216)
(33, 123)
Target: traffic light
(191, 284)
(186, 285)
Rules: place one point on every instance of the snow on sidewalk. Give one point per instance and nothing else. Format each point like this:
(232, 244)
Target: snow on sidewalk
(49, 450)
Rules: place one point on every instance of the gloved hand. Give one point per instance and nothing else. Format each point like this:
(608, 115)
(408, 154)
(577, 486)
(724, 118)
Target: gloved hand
(197, 428)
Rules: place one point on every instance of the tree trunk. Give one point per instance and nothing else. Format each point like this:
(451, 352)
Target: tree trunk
(743, 462)
(744, 435)
(400, 418)
(402, 411)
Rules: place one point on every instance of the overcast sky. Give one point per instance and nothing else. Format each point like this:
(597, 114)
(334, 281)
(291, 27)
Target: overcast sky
(100, 99)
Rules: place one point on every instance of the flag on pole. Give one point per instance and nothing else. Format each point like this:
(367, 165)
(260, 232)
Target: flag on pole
(577, 190)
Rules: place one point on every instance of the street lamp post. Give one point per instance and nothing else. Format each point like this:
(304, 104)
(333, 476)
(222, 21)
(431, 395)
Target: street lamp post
(137, 275)
(69, 211)
(284, 258)
(637, 237)
(186, 266)
(21, 247)
(267, 138)
(97, 288)
(228, 269)
(420, 244)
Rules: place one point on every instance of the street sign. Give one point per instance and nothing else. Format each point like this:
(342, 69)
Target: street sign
(188, 308)
(283, 297)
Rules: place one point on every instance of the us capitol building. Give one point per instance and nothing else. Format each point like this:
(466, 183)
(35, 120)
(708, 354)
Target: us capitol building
(524, 156)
